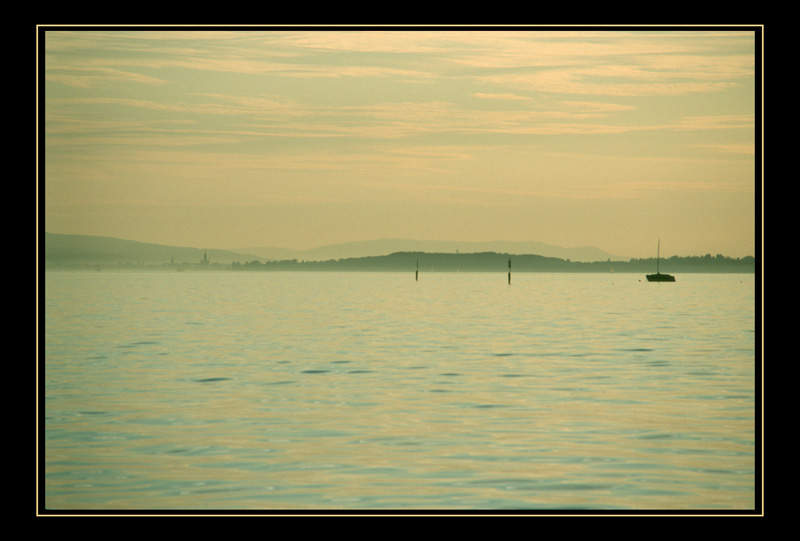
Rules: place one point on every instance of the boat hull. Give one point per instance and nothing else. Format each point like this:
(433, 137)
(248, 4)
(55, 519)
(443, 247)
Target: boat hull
(660, 277)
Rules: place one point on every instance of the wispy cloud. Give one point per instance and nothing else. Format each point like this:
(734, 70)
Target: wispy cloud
(505, 118)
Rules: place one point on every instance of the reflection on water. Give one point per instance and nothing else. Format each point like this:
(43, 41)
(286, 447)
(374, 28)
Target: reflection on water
(375, 391)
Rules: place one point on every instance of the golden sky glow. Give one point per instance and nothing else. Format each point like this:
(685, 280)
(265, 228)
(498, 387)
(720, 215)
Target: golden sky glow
(302, 138)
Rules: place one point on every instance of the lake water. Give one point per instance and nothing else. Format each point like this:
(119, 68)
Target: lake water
(372, 391)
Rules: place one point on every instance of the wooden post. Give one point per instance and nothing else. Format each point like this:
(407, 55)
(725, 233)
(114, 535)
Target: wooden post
(416, 274)
(509, 271)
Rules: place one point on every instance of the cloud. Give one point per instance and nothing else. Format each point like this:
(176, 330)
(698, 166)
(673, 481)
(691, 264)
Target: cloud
(97, 76)
(716, 122)
(504, 118)
(743, 149)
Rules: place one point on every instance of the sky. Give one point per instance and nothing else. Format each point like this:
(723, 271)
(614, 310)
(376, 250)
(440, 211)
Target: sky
(234, 137)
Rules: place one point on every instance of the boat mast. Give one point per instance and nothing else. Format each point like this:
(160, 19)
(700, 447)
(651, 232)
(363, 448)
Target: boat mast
(658, 257)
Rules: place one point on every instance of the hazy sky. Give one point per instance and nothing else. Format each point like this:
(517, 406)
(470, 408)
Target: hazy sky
(294, 138)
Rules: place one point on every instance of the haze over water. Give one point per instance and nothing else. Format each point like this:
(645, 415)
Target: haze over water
(335, 391)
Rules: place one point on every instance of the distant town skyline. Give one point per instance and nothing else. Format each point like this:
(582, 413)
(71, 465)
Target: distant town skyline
(234, 137)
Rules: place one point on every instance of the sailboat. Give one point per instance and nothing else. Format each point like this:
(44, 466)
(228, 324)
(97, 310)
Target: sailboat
(658, 277)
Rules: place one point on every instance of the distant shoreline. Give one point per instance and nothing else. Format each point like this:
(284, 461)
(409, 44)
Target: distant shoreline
(434, 262)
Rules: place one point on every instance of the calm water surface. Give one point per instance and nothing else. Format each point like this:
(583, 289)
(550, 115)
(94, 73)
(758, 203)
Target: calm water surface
(271, 391)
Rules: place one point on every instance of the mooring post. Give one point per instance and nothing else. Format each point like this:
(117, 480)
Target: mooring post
(416, 274)
(509, 271)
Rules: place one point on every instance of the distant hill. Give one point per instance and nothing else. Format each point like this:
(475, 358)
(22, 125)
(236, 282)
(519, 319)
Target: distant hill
(61, 250)
(498, 262)
(81, 250)
(389, 246)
